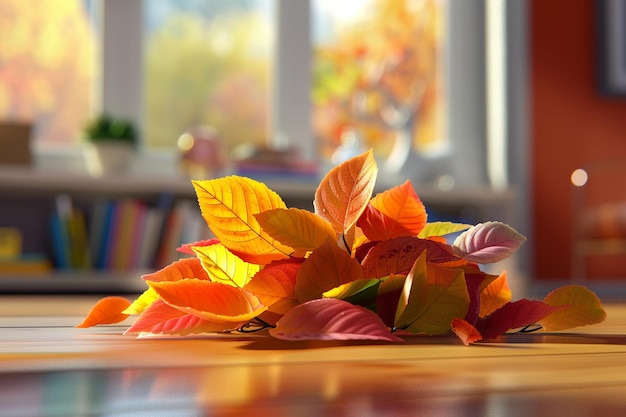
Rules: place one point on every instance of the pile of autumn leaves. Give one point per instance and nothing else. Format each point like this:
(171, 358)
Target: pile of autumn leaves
(357, 268)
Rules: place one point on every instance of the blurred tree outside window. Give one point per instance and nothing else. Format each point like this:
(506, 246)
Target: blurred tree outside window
(207, 63)
(47, 52)
(377, 70)
(378, 74)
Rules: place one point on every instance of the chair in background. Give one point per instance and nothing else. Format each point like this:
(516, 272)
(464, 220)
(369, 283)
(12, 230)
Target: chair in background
(599, 221)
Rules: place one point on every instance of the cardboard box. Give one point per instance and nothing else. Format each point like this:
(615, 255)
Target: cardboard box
(15, 143)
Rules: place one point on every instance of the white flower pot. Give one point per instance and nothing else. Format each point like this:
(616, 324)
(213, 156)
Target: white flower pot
(108, 157)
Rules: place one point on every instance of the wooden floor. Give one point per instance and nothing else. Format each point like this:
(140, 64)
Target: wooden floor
(49, 368)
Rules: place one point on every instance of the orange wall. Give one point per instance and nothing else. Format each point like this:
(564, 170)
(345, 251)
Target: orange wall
(572, 123)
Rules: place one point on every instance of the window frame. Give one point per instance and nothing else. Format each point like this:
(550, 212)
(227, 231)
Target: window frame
(120, 89)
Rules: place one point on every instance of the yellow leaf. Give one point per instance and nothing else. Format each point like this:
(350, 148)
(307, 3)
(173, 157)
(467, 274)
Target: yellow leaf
(222, 266)
(297, 228)
(141, 303)
(229, 205)
(210, 300)
(345, 191)
(108, 310)
(442, 229)
(581, 307)
(326, 268)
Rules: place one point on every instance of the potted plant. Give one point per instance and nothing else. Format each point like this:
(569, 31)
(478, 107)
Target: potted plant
(110, 144)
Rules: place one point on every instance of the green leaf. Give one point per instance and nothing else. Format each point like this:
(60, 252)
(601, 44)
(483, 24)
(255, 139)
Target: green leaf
(355, 291)
(432, 297)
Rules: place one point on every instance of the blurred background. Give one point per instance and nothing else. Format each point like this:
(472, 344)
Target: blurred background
(495, 110)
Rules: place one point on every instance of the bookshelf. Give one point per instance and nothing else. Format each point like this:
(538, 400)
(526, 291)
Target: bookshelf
(28, 198)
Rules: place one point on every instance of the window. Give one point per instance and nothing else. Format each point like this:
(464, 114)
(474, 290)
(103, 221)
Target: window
(378, 75)
(47, 66)
(208, 63)
(149, 69)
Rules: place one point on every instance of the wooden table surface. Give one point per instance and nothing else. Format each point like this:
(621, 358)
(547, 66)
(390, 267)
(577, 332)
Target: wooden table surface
(49, 368)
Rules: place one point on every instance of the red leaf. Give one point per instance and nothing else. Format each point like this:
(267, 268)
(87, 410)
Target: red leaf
(387, 298)
(513, 315)
(398, 255)
(465, 331)
(331, 319)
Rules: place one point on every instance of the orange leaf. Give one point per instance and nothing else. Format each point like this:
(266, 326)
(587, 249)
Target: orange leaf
(106, 311)
(210, 300)
(465, 331)
(229, 205)
(160, 318)
(296, 228)
(345, 191)
(327, 267)
(187, 248)
(274, 285)
(494, 295)
(401, 213)
(581, 307)
(181, 269)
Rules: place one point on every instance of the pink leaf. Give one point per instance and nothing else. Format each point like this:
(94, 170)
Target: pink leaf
(331, 319)
(513, 315)
(488, 242)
